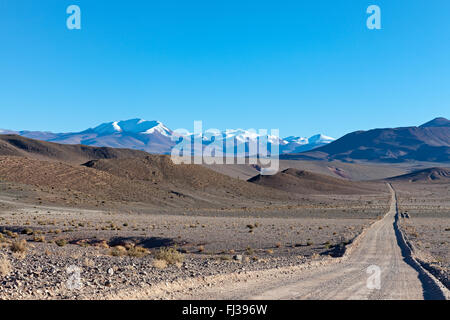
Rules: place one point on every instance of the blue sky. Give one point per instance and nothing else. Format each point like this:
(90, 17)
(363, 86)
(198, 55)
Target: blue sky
(301, 66)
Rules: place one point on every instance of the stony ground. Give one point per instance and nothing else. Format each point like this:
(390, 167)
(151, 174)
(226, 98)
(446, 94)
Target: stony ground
(43, 248)
(430, 238)
(425, 212)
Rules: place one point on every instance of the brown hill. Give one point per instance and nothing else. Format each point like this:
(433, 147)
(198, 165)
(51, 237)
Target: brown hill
(305, 182)
(152, 180)
(160, 170)
(14, 145)
(429, 142)
(426, 175)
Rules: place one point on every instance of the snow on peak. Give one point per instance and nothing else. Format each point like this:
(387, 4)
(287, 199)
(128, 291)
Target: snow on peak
(161, 128)
(133, 126)
(297, 140)
(320, 138)
(116, 126)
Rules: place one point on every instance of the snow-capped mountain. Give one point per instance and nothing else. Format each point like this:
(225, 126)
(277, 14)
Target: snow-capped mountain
(137, 126)
(155, 137)
(301, 144)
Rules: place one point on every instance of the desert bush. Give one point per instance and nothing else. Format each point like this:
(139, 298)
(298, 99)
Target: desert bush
(249, 251)
(39, 239)
(170, 255)
(5, 267)
(88, 262)
(19, 246)
(27, 231)
(11, 234)
(159, 264)
(118, 251)
(61, 242)
(102, 244)
(137, 252)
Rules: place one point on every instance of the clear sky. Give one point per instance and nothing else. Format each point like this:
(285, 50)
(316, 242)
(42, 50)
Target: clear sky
(301, 66)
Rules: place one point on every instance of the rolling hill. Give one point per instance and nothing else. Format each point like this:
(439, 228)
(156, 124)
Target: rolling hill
(429, 142)
(14, 145)
(427, 175)
(305, 182)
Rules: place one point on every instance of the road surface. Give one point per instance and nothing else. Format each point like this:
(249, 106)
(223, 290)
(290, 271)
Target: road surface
(380, 246)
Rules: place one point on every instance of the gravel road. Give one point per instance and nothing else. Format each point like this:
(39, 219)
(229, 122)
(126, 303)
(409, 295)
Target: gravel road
(381, 247)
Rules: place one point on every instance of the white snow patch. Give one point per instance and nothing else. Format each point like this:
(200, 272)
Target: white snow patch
(116, 126)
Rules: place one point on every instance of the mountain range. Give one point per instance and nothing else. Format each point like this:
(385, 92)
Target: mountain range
(155, 137)
(428, 142)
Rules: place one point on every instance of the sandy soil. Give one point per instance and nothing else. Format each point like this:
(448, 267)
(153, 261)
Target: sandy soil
(213, 243)
(307, 251)
(425, 220)
(382, 245)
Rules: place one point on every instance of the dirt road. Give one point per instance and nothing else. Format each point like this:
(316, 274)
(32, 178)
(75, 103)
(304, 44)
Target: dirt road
(381, 247)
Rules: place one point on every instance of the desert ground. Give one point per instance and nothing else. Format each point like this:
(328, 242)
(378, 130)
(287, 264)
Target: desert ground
(136, 226)
(119, 252)
(425, 221)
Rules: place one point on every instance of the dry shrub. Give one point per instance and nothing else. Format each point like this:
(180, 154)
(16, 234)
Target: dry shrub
(170, 255)
(39, 239)
(5, 267)
(61, 242)
(11, 234)
(118, 251)
(19, 246)
(102, 244)
(88, 262)
(137, 252)
(160, 264)
(27, 231)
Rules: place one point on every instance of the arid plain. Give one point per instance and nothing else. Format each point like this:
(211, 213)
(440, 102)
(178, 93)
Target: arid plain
(134, 225)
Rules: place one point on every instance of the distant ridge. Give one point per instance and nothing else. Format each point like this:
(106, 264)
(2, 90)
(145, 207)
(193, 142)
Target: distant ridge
(438, 122)
(14, 145)
(428, 142)
(430, 174)
(155, 137)
(305, 182)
